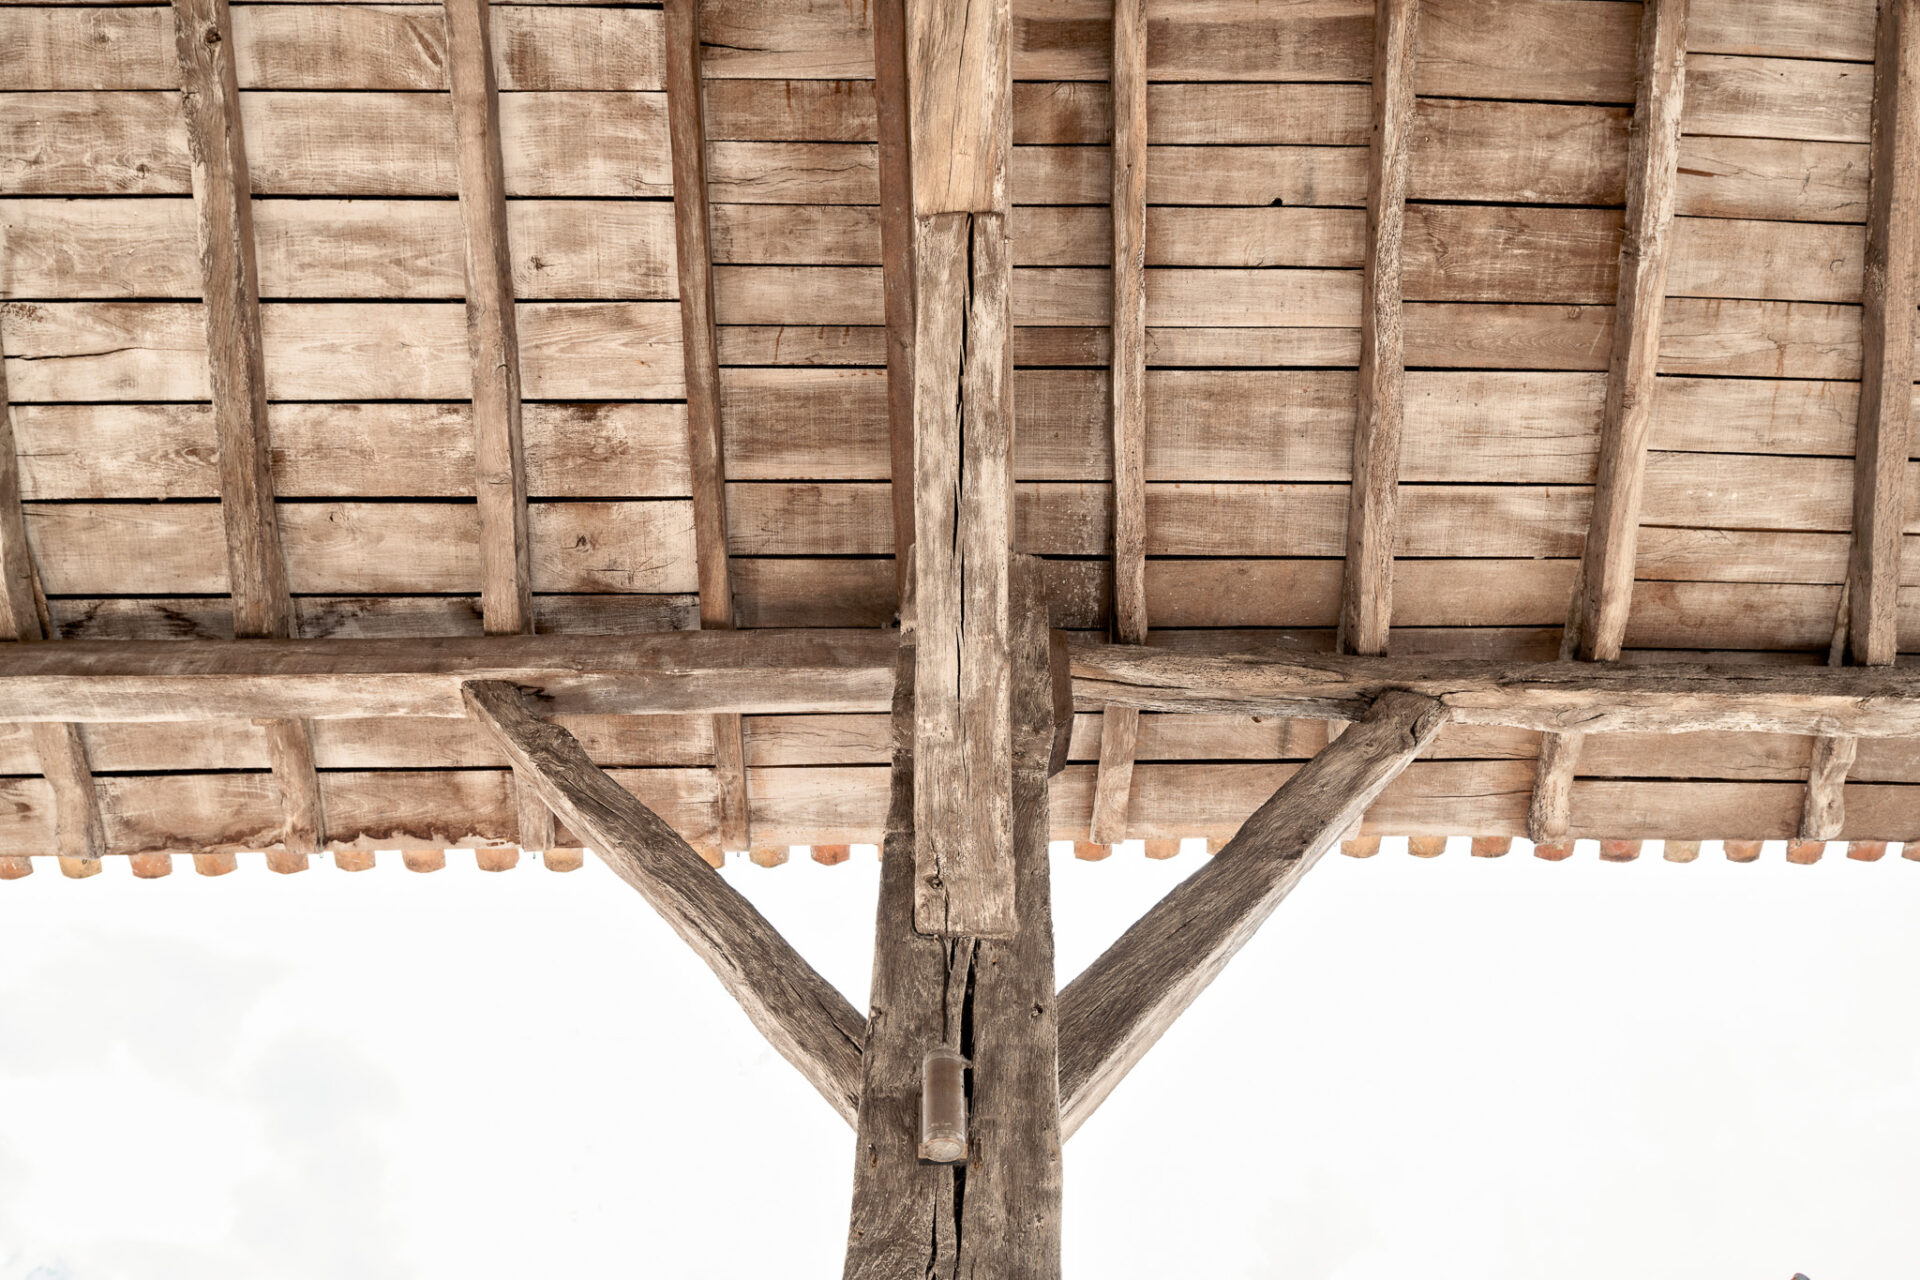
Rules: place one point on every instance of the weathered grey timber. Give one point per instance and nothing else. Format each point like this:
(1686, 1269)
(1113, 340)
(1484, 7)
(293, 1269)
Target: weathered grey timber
(798, 1011)
(1114, 1012)
(1874, 702)
(130, 681)
(993, 1000)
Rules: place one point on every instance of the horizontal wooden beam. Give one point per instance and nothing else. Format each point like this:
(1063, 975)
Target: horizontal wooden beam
(677, 671)
(1123, 1002)
(799, 1012)
(1550, 697)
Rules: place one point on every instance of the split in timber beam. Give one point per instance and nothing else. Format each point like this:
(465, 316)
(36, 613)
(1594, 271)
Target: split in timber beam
(1114, 1012)
(799, 1012)
(993, 1001)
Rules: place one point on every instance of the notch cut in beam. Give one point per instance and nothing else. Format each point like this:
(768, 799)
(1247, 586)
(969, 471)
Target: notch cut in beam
(1653, 157)
(1366, 592)
(1120, 726)
(700, 348)
(799, 1012)
(1114, 1011)
(493, 344)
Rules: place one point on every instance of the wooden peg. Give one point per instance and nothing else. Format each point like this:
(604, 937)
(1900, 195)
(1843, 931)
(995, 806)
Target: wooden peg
(1804, 853)
(284, 863)
(497, 859)
(565, 859)
(1361, 846)
(832, 855)
(1681, 850)
(1867, 850)
(1160, 850)
(214, 864)
(15, 866)
(1742, 850)
(151, 866)
(1426, 846)
(1088, 851)
(1619, 850)
(424, 859)
(1557, 851)
(353, 859)
(1492, 846)
(767, 855)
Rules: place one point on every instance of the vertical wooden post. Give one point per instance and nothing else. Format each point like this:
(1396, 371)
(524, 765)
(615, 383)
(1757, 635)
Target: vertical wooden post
(896, 256)
(1120, 726)
(959, 81)
(1366, 598)
(222, 189)
(686, 128)
(992, 1000)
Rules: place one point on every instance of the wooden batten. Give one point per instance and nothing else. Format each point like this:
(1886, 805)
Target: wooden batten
(1114, 1011)
(1120, 726)
(992, 1000)
(693, 231)
(1366, 597)
(1653, 158)
(799, 1012)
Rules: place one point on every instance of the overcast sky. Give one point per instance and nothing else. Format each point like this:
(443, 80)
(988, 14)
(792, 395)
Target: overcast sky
(1456, 1069)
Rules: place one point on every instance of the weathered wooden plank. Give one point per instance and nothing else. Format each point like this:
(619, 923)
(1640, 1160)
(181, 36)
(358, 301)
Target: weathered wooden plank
(1838, 29)
(1572, 50)
(1127, 999)
(500, 481)
(1813, 101)
(992, 1000)
(963, 522)
(800, 1013)
(1606, 591)
(1366, 597)
(671, 672)
(1127, 384)
(701, 351)
(1772, 178)
(1881, 494)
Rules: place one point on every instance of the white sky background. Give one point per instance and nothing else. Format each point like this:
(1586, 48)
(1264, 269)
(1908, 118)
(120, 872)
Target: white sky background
(1456, 1069)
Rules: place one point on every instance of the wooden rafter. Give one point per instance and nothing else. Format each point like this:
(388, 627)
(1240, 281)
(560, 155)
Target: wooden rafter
(799, 1012)
(896, 256)
(80, 833)
(1597, 623)
(1120, 727)
(993, 1001)
(686, 128)
(1869, 633)
(1123, 1002)
(256, 568)
(959, 81)
(1366, 595)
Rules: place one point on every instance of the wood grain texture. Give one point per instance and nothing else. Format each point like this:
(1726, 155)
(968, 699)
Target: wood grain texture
(1366, 599)
(235, 360)
(1127, 382)
(1550, 809)
(799, 1012)
(702, 672)
(959, 73)
(963, 441)
(1880, 490)
(1545, 696)
(493, 342)
(1127, 999)
(897, 274)
(1652, 161)
(290, 753)
(700, 348)
(993, 1001)
(1824, 813)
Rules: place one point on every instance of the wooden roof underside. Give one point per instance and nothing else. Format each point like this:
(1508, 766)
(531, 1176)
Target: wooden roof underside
(1256, 234)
